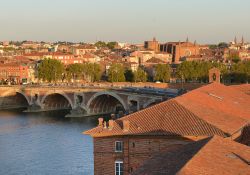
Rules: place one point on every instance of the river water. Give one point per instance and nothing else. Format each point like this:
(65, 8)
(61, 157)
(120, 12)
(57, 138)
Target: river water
(45, 144)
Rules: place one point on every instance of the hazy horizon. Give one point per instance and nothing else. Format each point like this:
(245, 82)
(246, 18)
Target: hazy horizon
(132, 21)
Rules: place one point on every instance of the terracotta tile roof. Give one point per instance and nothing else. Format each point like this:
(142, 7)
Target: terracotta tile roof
(219, 105)
(59, 54)
(243, 87)
(35, 54)
(86, 47)
(155, 60)
(214, 109)
(88, 55)
(206, 157)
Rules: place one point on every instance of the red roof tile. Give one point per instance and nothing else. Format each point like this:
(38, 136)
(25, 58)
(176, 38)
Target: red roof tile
(243, 87)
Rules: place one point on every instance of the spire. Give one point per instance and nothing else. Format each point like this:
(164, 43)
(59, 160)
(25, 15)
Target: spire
(187, 40)
(235, 40)
(242, 40)
(154, 39)
(195, 42)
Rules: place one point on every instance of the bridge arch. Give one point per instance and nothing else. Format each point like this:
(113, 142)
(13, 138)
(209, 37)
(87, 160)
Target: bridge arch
(149, 103)
(56, 98)
(106, 102)
(15, 98)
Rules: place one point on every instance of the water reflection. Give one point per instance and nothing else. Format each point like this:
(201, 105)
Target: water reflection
(45, 144)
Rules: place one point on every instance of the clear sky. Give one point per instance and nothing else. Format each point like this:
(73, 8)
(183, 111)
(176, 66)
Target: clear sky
(207, 21)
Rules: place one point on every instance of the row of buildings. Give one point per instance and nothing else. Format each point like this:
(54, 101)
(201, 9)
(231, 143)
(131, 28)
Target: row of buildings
(203, 132)
(19, 57)
(188, 51)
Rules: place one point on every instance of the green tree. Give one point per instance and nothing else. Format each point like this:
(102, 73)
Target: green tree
(241, 72)
(162, 73)
(92, 72)
(116, 73)
(199, 70)
(74, 71)
(140, 75)
(50, 70)
(234, 57)
(100, 44)
(223, 45)
(213, 46)
(111, 45)
(185, 70)
(129, 75)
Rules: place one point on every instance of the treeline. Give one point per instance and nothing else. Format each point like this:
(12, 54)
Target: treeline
(102, 44)
(197, 71)
(51, 70)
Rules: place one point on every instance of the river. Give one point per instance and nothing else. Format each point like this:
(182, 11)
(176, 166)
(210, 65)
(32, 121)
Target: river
(45, 144)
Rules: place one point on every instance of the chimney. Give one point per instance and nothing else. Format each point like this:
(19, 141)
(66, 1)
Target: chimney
(126, 125)
(105, 125)
(111, 124)
(100, 120)
(113, 116)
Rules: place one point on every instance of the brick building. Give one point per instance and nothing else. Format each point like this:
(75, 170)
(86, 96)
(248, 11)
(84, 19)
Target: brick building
(122, 146)
(83, 49)
(65, 58)
(180, 50)
(14, 73)
(152, 45)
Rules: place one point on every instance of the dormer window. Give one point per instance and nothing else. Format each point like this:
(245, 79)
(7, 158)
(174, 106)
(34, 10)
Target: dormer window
(118, 146)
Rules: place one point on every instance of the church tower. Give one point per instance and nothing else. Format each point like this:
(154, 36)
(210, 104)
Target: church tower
(235, 40)
(242, 40)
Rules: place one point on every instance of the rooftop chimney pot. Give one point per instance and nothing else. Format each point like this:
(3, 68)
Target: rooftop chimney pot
(126, 125)
(100, 120)
(111, 124)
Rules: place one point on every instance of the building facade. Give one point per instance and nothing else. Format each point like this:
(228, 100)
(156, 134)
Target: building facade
(14, 73)
(180, 50)
(152, 45)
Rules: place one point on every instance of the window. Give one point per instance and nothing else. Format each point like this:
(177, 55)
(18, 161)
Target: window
(118, 146)
(118, 167)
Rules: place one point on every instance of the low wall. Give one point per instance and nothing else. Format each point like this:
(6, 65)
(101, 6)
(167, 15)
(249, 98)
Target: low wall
(187, 86)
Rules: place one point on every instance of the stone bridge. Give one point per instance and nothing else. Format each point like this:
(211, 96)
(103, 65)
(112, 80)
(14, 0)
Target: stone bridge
(81, 102)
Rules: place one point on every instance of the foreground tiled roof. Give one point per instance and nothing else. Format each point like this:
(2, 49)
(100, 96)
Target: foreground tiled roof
(206, 157)
(214, 109)
(244, 88)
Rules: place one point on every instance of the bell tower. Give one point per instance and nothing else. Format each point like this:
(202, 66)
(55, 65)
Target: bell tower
(242, 40)
(214, 75)
(235, 40)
